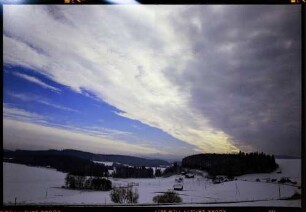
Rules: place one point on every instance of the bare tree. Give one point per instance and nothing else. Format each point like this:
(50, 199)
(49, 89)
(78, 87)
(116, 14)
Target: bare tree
(124, 195)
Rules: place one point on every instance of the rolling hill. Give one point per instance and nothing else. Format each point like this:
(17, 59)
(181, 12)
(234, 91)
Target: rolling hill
(123, 159)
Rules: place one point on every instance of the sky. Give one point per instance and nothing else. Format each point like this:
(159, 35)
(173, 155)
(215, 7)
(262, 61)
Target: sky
(156, 81)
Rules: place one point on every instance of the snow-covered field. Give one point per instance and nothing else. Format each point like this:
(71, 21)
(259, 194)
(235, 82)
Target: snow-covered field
(32, 185)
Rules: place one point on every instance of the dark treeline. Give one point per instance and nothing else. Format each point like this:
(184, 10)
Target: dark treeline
(92, 183)
(63, 163)
(171, 170)
(133, 172)
(231, 164)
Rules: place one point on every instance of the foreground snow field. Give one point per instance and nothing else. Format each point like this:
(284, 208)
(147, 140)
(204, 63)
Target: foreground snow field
(33, 185)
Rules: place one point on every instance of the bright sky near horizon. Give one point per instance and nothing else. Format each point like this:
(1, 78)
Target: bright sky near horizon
(158, 81)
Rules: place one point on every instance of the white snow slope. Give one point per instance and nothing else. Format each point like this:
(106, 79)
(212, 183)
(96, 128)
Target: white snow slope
(32, 185)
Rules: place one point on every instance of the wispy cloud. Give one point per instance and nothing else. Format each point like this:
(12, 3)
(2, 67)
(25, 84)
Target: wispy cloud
(21, 96)
(135, 126)
(96, 131)
(45, 102)
(11, 112)
(14, 113)
(104, 130)
(37, 132)
(44, 136)
(41, 100)
(36, 81)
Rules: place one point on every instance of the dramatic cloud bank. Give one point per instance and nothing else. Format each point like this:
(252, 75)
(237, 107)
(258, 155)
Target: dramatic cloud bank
(222, 78)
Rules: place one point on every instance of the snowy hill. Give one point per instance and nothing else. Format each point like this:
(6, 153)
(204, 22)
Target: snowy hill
(45, 185)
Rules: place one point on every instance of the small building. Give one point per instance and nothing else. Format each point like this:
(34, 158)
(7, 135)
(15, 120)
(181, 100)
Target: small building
(218, 179)
(179, 179)
(189, 175)
(178, 186)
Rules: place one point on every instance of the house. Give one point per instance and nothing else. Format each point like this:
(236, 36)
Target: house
(178, 186)
(189, 175)
(179, 179)
(218, 179)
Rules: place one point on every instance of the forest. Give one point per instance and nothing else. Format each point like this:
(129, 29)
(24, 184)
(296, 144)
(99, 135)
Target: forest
(231, 164)
(64, 163)
(133, 172)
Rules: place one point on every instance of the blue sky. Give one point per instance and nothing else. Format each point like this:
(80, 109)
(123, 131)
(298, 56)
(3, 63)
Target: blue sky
(154, 81)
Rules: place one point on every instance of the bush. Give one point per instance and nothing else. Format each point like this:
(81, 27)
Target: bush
(70, 181)
(168, 197)
(100, 184)
(124, 195)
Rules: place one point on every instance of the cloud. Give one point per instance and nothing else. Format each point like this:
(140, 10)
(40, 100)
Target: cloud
(246, 75)
(19, 114)
(186, 70)
(36, 81)
(23, 129)
(100, 132)
(41, 100)
(35, 136)
(45, 102)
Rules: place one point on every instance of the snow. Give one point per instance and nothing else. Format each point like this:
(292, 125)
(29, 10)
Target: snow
(32, 185)
(289, 167)
(28, 183)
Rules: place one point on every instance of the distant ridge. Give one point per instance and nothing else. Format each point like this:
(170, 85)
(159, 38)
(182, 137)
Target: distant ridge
(123, 159)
